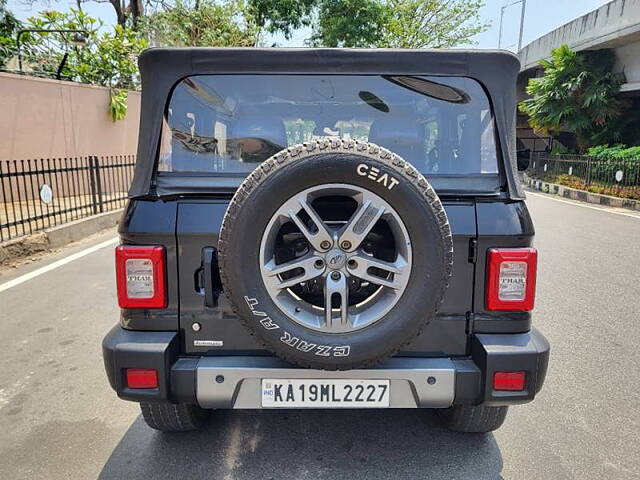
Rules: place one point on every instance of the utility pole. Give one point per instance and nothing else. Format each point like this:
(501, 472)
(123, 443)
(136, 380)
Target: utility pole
(500, 34)
(524, 5)
(502, 9)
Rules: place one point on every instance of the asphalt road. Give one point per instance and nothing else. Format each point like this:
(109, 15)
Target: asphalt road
(59, 419)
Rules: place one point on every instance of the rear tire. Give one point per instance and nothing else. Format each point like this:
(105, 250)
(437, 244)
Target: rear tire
(474, 419)
(174, 417)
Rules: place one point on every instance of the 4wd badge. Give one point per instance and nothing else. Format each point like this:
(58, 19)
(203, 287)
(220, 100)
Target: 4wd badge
(373, 173)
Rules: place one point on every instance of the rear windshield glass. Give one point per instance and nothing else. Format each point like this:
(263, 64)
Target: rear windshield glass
(227, 124)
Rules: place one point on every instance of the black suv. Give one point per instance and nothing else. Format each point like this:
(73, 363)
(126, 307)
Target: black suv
(326, 228)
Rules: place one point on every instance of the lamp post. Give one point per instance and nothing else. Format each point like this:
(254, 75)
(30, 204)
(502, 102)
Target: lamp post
(79, 38)
(502, 9)
(524, 6)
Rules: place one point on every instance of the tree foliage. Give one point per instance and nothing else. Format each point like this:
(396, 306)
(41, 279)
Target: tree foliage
(350, 23)
(432, 23)
(205, 24)
(107, 58)
(9, 26)
(577, 94)
(282, 16)
(375, 23)
(127, 13)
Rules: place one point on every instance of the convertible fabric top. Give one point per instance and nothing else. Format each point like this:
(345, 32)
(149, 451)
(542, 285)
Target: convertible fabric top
(163, 68)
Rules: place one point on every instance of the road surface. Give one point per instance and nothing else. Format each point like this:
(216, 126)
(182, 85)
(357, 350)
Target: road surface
(59, 419)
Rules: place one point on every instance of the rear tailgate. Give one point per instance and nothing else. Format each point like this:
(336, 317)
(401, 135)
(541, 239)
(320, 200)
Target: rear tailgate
(221, 333)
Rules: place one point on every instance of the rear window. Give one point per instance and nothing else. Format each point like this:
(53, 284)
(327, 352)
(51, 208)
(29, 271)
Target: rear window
(227, 124)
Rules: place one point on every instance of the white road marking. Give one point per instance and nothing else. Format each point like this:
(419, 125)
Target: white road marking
(52, 266)
(576, 204)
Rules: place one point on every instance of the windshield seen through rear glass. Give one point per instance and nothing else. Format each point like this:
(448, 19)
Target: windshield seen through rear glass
(227, 124)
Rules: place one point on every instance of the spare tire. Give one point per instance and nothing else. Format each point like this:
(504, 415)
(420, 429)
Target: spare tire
(339, 222)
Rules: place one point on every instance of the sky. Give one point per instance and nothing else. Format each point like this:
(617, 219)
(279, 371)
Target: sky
(541, 17)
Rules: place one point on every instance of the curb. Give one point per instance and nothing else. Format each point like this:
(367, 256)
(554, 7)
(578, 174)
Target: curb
(57, 237)
(582, 195)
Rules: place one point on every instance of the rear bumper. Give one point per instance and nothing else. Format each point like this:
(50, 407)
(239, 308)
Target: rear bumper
(234, 381)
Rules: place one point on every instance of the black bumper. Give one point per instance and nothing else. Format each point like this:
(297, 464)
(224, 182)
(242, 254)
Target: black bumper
(177, 376)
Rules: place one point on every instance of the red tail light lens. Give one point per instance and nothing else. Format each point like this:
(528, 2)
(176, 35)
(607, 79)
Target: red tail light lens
(142, 378)
(140, 275)
(511, 279)
(509, 381)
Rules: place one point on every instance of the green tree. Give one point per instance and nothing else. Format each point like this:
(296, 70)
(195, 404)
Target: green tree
(205, 24)
(375, 23)
(432, 23)
(577, 94)
(282, 16)
(9, 26)
(350, 23)
(107, 58)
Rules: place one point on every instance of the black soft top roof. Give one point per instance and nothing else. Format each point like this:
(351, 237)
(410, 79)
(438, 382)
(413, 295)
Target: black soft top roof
(162, 68)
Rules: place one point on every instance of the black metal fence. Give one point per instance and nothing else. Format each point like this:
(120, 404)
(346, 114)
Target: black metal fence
(619, 178)
(41, 193)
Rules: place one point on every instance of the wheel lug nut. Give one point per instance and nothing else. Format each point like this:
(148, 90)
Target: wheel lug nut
(346, 245)
(319, 264)
(335, 275)
(325, 244)
(352, 263)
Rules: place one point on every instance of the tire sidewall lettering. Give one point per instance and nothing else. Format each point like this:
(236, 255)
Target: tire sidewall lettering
(293, 341)
(376, 175)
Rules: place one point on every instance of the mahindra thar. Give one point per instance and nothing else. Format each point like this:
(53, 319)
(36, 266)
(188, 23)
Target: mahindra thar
(326, 228)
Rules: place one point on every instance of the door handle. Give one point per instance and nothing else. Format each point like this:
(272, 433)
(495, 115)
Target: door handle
(212, 283)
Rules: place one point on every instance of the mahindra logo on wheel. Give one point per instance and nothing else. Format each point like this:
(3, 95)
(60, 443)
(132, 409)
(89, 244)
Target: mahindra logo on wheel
(336, 259)
(373, 173)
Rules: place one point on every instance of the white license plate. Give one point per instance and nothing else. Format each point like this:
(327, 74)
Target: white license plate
(325, 393)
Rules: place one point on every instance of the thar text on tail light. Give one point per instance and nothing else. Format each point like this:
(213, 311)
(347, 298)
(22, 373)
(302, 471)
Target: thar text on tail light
(511, 279)
(140, 275)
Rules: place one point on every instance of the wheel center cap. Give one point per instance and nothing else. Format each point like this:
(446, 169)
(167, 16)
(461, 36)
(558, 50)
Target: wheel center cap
(336, 259)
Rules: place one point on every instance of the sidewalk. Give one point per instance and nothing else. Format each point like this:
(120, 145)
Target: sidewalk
(581, 195)
(51, 238)
(37, 215)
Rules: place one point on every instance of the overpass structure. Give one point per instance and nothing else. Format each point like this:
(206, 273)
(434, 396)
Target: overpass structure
(615, 25)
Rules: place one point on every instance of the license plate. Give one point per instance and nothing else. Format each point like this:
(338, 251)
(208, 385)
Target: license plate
(325, 393)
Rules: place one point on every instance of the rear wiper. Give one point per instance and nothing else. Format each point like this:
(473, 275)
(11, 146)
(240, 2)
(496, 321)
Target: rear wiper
(429, 88)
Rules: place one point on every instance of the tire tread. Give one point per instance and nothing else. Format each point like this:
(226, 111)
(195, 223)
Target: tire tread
(474, 419)
(173, 417)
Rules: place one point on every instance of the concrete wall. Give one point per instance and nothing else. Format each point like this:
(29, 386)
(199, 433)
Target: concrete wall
(43, 118)
(628, 61)
(613, 25)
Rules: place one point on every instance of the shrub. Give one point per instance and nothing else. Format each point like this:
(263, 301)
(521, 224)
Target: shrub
(615, 152)
(577, 94)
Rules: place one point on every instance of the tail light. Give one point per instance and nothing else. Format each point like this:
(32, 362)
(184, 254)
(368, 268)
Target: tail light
(140, 276)
(511, 279)
(509, 381)
(142, 378)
